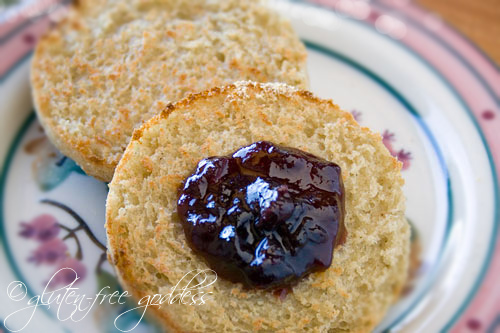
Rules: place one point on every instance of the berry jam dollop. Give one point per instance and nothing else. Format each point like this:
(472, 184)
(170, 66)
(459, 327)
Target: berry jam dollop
(266, 215)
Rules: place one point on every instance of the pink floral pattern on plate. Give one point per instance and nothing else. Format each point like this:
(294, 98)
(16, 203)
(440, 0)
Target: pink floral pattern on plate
(389, 139)
(483, 314)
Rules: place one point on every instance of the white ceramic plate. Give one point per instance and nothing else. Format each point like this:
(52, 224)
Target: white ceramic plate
(450, 177)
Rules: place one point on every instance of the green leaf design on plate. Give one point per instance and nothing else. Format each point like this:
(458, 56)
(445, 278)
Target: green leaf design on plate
(50, 173)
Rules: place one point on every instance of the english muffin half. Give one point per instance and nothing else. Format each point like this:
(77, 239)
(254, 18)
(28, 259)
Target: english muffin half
(111, 65)
(148, 246)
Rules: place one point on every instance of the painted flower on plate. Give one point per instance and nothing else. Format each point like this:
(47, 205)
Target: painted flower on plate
(42, 228)
(67, 271)
(50, 252)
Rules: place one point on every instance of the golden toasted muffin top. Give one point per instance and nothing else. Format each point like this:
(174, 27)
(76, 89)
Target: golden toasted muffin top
(148, 247)
(111, 65)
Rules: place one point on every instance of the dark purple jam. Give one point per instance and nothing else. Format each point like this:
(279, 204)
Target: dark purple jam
(265, 216)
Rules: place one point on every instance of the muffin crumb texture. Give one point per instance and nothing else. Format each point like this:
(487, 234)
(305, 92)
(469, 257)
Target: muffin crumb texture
(147, 244)
(111, 65)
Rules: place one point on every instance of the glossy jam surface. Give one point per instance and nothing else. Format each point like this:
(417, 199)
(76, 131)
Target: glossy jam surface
(266, 215)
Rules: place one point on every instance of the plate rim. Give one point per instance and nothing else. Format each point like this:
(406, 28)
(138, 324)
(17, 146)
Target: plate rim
(495, 234)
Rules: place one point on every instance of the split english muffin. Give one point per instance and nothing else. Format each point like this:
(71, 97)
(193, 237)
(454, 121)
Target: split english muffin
(111, 65)
(148, 246)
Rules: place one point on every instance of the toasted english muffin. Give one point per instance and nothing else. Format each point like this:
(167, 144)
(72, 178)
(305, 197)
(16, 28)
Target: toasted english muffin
(110, 65)
(148, 247)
